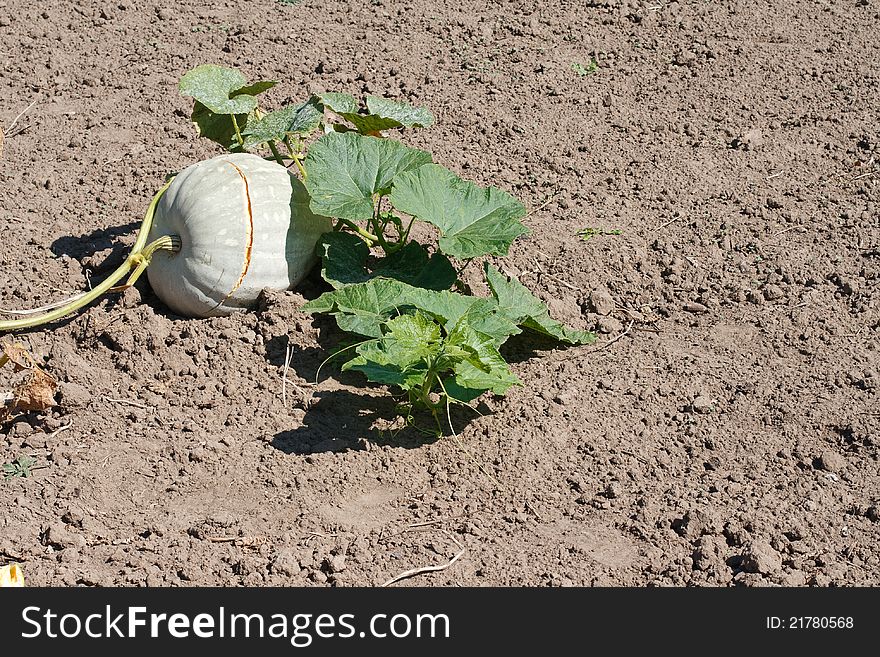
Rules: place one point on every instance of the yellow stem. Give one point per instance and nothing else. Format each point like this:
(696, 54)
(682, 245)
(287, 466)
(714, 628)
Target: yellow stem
(138, 260)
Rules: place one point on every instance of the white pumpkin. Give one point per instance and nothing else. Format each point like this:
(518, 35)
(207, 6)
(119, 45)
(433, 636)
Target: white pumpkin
(244, 225)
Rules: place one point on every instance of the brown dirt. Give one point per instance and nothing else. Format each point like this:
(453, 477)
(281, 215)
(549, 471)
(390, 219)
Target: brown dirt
(729, 438)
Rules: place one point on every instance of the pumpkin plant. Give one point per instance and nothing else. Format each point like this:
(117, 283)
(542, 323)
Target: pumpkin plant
(223, 229)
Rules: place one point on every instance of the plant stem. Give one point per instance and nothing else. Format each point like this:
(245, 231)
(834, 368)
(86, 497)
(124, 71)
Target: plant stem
(237, 131)
(295, 157)
(138, 260)
(360, 231)
(299, 165)
(275, 153)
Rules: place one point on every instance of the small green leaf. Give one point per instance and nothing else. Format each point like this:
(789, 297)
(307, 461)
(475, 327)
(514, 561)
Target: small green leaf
(525, 309)
(403, 114)
(473, 220)
(484, 368)
(298, 120)
(345, 171)
(221, 90)
(20, 467)
(592, 231)
(339, 102)
(403, 355)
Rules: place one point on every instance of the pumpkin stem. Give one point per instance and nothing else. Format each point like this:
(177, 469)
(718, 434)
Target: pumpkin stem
(138, 260)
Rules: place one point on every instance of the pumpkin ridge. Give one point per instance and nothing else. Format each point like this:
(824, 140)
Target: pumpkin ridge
(250, 237)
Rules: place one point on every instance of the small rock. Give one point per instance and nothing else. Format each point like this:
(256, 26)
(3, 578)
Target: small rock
(709, 553)
(760, 557)
(199, 455)
(601, 302)
(58, 537)
(613, 490)
(609, 325)
(75, 395)
(702, 404)
(566, 397)
(794, 578)
(695, 307)
(773, 292)
(131, 297)
(335, 564)
(755, 297)
(20, 430)
(286, 563)
(831, 461)
(873, 514)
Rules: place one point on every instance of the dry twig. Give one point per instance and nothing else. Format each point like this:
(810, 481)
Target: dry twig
(428, 569)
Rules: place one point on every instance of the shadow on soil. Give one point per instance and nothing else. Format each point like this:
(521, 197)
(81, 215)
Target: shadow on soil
(342, 419)
(98, 240)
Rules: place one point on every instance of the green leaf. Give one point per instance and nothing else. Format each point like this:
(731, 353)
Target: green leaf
(299, 120)
(256, 88)
(403, 114)
(369, 124)
(344, 258)
(345, 171)
(403, 355)
(483, 368)
(218, 127)
(221, 90)
(363, 307)
(473, 220)
(382, 113)
(412, 264)
(524, 308)
(339, 102)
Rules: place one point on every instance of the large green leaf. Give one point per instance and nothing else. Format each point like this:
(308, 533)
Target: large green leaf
(382, 113)
(370, 124)
(345, 255)
(473, 220)
(363, 307)
(343, 259)
(298, 120)
(345, 171)
(412, 264)
(525, 309)
(222, 90)
(403, 114)
(340, 103)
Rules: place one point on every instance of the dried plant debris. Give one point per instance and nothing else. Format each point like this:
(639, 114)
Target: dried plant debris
(35, 393)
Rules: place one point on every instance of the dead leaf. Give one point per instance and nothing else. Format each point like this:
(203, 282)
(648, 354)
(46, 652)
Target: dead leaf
(35, 394)
(17, 355)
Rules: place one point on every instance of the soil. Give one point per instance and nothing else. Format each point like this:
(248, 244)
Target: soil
(722, 432)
